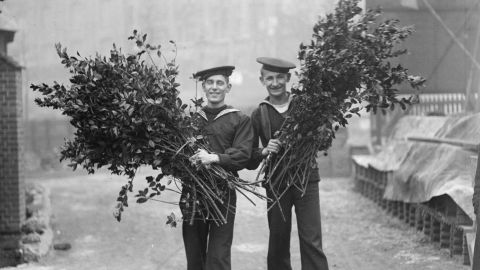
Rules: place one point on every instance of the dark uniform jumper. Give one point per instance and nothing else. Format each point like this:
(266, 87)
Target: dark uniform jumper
(230, 135)
(266, 120)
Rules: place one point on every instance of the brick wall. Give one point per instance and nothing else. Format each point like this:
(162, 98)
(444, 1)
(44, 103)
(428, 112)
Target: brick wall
(12, 182)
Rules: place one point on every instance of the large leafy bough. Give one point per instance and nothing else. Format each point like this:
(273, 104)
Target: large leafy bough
(127, 114)
(348, 63)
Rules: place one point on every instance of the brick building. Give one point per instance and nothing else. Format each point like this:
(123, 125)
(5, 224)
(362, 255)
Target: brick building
(12, 190)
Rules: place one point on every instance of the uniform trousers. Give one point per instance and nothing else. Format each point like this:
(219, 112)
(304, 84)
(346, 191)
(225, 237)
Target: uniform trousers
(307, 210)
(208, 245)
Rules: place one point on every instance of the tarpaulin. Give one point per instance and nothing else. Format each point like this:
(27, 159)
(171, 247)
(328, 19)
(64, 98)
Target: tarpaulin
(394, 151)
(431, 170)
(424, 170)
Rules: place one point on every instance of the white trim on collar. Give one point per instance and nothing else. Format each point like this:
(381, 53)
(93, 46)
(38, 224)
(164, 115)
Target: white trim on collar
(202, 114)
(226, 111)
(220, 114)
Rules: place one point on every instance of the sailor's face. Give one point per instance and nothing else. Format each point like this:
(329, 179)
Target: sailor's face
(215, 88)
(275, 82)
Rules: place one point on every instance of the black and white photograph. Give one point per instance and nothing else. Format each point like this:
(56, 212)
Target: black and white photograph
(239, 134)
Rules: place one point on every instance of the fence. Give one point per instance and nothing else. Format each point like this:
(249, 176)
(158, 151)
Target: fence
(442, 104)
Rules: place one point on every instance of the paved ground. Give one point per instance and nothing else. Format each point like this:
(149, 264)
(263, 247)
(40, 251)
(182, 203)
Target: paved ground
(357, 234)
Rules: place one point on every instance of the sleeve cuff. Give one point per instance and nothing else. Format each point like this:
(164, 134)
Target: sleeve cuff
(223, 159)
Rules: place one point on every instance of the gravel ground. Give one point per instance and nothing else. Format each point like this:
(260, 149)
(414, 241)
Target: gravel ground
(357, 234)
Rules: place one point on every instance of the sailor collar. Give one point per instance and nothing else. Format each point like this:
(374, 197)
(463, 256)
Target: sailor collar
(220, 114)
(267, 101)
